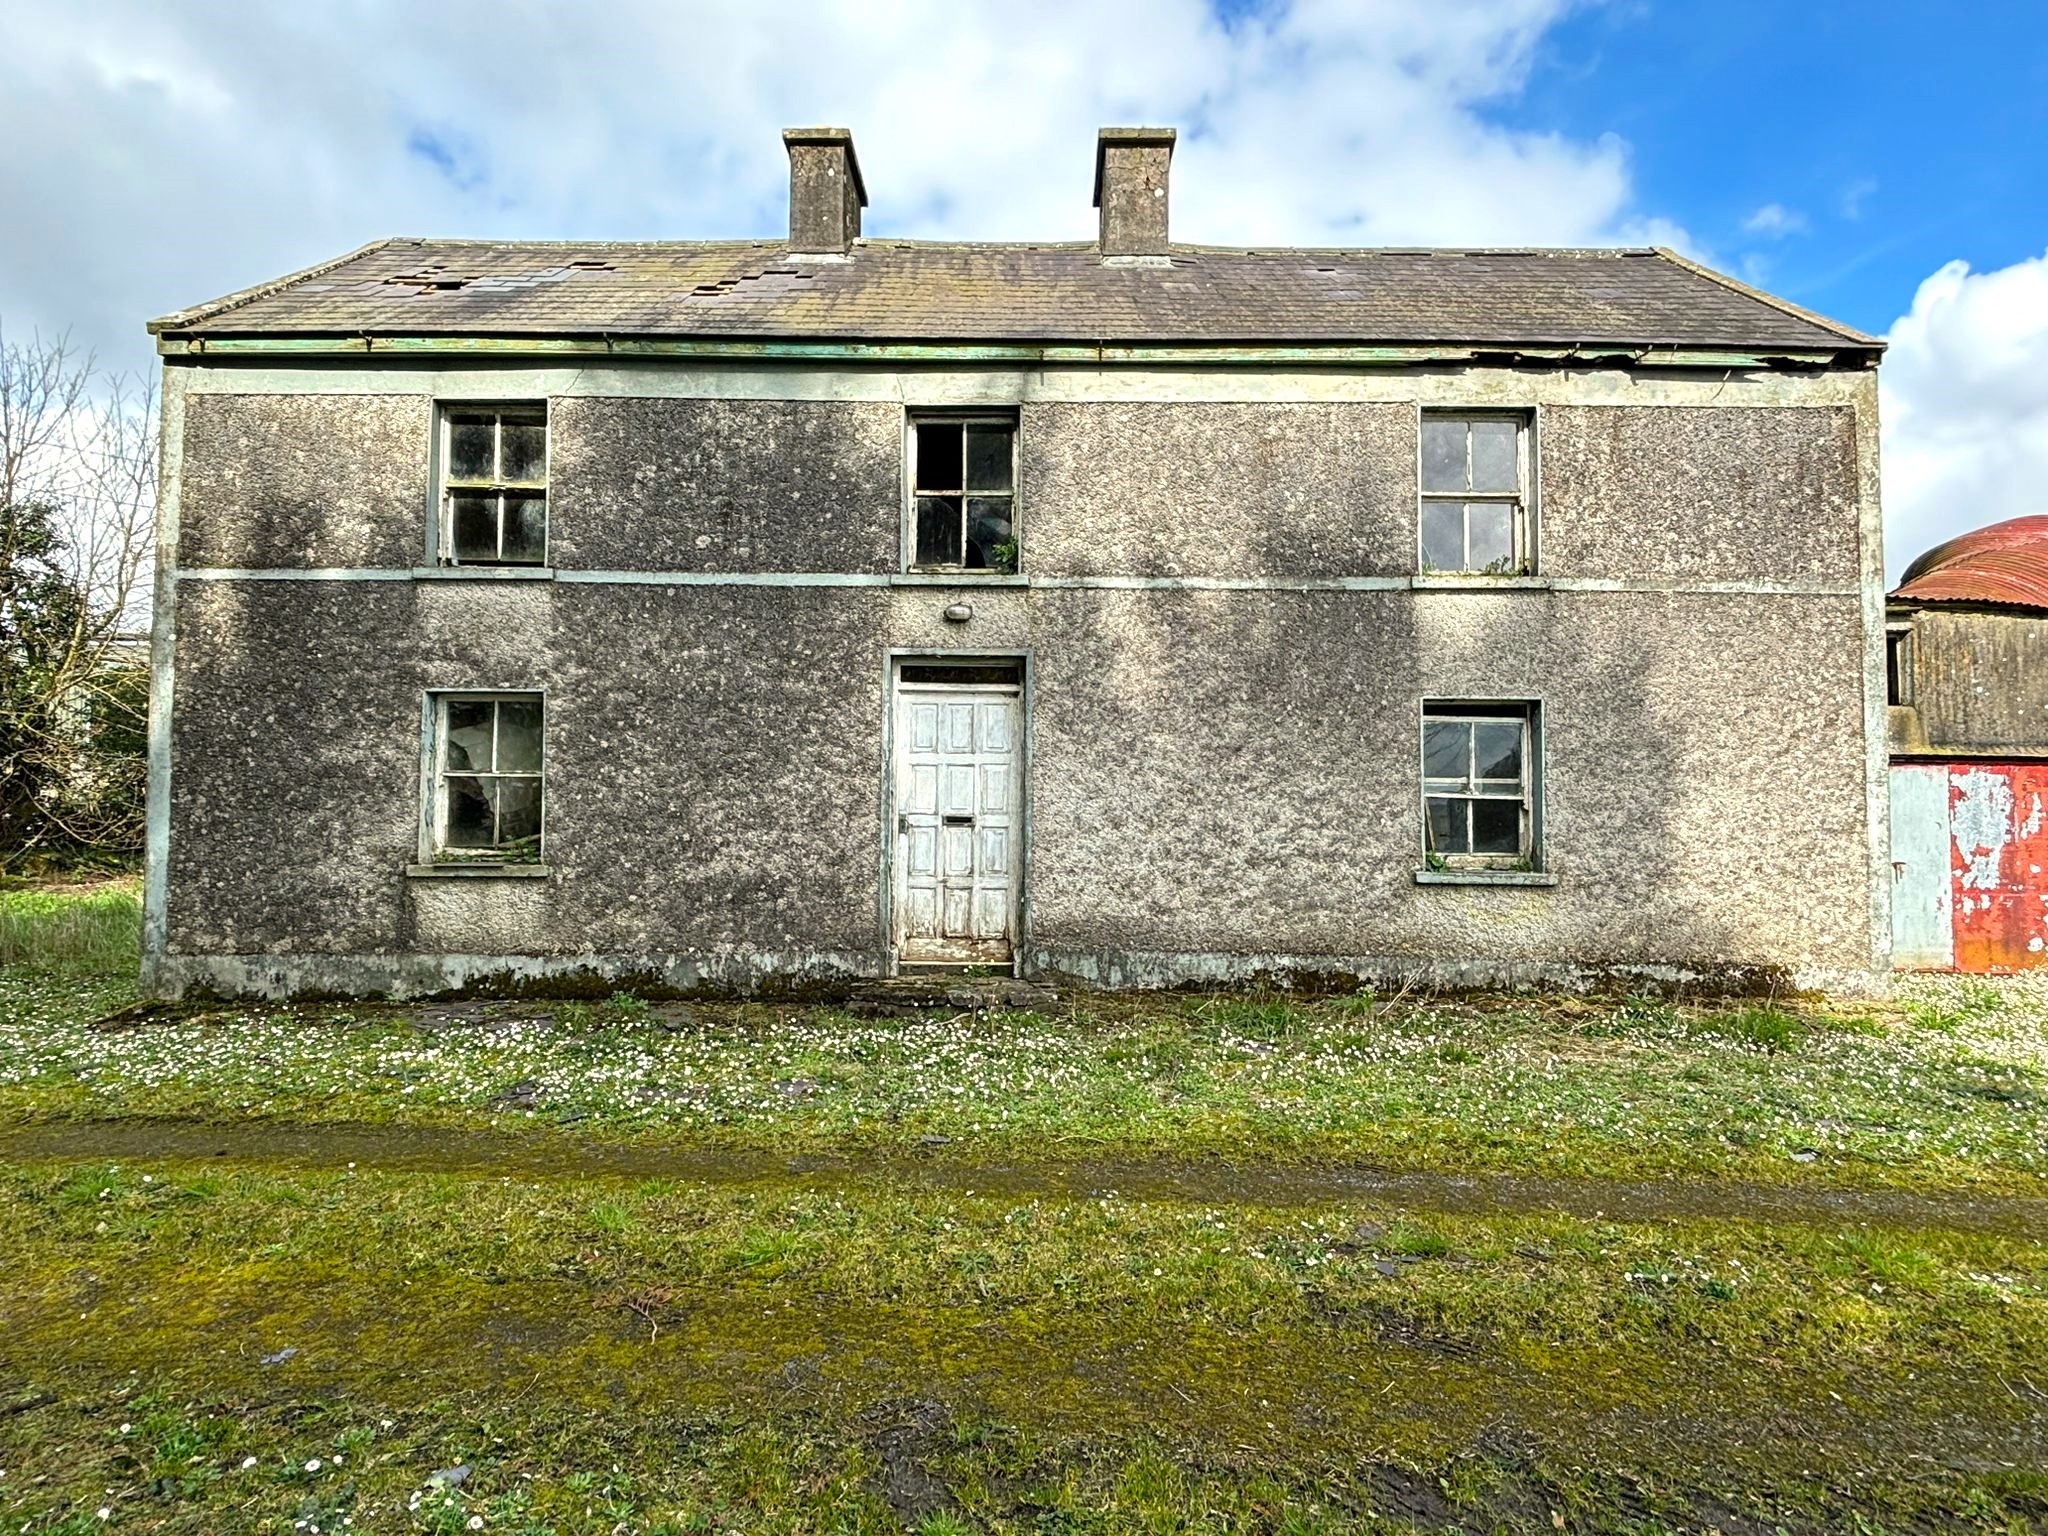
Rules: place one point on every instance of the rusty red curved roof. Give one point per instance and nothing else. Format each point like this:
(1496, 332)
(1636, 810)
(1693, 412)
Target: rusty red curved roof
(2004, 563)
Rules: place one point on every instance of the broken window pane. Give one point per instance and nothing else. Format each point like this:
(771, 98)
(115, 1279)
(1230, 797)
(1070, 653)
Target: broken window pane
(469, 735)
(1446, 749)
(470, 447)
(1477, 783)
(1490, 534)
(1494, 466)
(518, 737)
(488, 450)
(988, 533)
(938, 456)
(523, 452)
(938, 530)
(518, 813)
(473, 524)
(488, 785)
(1443, 536)
(469, 821)
(1497, 749)
(1497, 826)
(963, 482)
(1447, 827)
(988, 458)
(526, 529)
(1443, 455)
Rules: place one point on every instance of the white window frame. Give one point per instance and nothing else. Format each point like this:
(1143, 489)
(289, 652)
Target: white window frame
(446, 486)
(1522, 500)
(914, 418)
(1528, 713)
(433, 848)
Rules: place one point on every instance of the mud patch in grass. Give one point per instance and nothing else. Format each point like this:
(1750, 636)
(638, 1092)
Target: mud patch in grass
(453, 1150)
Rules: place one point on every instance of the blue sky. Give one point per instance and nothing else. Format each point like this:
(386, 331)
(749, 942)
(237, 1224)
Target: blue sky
(1896, 135)
(1881, 161)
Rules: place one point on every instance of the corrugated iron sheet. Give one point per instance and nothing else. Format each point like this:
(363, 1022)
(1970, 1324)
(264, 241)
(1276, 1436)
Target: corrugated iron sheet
(2004, 563)
(1998, 820)
(1970, 866)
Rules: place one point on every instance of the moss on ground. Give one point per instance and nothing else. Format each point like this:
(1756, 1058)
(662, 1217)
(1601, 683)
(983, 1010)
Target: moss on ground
(613, 1268)
(1352, 1353)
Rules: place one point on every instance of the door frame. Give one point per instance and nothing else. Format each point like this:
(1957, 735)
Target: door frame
(893, 659)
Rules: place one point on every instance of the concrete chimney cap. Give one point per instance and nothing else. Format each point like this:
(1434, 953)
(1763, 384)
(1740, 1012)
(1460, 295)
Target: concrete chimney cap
(791, 137)
(1142, 137)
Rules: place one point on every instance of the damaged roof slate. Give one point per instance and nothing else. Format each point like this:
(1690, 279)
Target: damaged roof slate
(914, 291)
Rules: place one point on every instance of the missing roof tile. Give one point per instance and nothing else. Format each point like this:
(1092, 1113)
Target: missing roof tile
(433, 279)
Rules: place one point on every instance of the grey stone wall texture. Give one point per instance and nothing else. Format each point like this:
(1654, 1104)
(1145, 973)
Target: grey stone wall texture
(297, 481)
(1221, 781)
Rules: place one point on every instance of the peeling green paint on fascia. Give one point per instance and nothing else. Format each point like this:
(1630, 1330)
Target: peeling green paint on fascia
(228, 347)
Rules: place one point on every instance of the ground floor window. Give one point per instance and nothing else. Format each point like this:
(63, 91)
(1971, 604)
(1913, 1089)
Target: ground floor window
(484, 778)
(1479, 784)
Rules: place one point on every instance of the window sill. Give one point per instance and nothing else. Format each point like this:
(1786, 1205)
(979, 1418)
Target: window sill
(1484, 877)
(478, 871)
(483, 573)
(958, 579)
(1448, 581)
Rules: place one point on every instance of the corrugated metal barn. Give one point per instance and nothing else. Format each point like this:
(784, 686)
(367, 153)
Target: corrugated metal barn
(1967, 685)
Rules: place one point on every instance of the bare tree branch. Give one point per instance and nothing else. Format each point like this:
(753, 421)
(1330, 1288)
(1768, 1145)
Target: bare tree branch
(78, 473)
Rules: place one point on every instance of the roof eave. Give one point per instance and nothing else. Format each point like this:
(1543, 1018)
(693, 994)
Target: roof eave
(1853, 337)
(197, 314)
(227, 346)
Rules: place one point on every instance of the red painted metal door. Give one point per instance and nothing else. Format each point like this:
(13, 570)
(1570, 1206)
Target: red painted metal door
(1998, 817)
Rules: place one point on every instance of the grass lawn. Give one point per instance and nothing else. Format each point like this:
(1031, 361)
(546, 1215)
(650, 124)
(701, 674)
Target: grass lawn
(1216, 1262)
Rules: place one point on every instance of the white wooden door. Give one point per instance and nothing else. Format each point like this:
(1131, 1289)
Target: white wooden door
(956, 824)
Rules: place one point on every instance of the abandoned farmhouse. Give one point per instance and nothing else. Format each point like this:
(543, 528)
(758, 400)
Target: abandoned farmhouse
(753, 612)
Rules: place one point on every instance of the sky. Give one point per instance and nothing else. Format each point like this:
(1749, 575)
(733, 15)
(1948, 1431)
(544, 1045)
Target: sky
(1881, 161)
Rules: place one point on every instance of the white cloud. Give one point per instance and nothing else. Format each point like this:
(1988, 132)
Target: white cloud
(181, 152)
(1774, 221)
(1965, 406)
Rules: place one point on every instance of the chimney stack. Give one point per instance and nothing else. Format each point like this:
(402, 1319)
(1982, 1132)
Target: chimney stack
(1130, 189)
(825, 191)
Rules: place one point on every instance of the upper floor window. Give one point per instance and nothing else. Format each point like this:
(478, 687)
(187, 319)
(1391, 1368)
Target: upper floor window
(494, 485)
(963, 492)
(1476, 478)
(1479, 802)
(484, 782)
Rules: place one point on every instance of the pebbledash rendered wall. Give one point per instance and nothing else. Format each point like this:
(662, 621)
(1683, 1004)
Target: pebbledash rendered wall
(1227, 648)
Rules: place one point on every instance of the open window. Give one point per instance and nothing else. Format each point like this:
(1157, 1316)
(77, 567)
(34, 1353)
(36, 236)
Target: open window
(1478, 478)
(1481, 805)
(1898, 663)
(963, 492)
(484, 779)
(494, 485)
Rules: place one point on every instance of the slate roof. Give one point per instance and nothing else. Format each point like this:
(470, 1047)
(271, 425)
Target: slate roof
(2004, 563)
(913, 291)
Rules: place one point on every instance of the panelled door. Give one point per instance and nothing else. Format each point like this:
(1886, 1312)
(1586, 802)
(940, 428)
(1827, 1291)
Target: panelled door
(956, 787)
